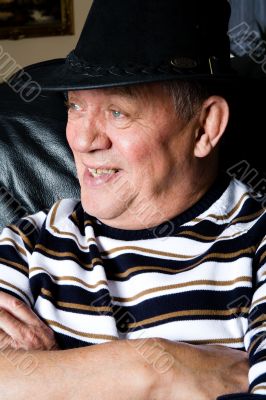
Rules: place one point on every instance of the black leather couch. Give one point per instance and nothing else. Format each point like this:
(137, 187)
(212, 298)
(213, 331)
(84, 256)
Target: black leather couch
(37, 167)
(36, 164)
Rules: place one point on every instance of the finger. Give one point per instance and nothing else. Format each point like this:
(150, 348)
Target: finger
(27, 336)
(5, 341)
(23, 336)
(17, 330)
(32, 325)
(19, 310)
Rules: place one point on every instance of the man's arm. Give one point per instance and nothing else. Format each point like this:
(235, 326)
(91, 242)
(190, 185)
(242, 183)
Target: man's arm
(123, 370)
(255, 337)
(140, 369)
(104, 372)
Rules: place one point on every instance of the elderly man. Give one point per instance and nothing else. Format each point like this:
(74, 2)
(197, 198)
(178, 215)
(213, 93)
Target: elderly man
(161, 263)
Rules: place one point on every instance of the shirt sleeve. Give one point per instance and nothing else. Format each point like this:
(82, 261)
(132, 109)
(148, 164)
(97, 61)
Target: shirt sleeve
(255, 337)
(16, 246)
(242, 396)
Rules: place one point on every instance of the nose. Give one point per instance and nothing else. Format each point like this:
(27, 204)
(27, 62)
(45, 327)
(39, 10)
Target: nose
(87, 136)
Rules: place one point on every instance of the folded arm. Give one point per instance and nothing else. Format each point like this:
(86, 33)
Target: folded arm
(150, 369)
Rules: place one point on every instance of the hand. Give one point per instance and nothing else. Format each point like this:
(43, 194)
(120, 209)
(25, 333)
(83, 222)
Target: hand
(201, 372)
(21, 328)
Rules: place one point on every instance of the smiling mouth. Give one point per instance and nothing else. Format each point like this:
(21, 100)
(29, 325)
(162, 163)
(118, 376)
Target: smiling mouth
(100, 172)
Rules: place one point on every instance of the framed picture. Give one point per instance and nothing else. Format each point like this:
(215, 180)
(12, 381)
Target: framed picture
(35, 18)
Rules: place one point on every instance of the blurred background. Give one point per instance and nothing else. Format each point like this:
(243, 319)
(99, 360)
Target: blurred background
(30, 50)
(248, 21)
(250, 13)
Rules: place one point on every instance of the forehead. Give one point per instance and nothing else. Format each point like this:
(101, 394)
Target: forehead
(133, 93)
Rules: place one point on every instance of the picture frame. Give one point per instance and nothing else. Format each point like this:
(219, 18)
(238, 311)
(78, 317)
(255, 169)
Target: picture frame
(21, 19)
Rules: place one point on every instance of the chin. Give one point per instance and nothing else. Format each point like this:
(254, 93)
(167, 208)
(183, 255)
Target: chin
(105, 212)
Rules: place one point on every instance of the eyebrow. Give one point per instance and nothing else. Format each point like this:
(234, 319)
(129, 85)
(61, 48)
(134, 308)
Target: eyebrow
(133, 92)
(126, 91)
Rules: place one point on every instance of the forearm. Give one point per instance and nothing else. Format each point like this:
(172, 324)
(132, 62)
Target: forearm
(109, 371)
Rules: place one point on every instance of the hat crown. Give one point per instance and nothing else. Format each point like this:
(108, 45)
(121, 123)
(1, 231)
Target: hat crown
(155, 32)
(128, 42)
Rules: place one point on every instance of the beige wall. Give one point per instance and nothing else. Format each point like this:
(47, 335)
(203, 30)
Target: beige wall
(28, 51)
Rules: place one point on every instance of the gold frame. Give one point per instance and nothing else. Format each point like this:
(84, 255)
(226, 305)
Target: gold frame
(64, 27)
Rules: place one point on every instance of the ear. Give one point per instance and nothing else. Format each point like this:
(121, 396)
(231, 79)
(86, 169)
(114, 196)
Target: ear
(213, 120)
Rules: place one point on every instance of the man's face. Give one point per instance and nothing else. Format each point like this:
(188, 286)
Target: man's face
(142, 151)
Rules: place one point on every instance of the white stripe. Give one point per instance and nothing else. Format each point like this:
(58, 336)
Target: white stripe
(255, 333)
(225, 204)
(257, 370)
(257, 390)
(38, 219)
(64, 224)
(96, 324)
(66, 281)
(262, 346)
(65, 267)
(195, 330)
(20, 295)
(209, 270)
(78, 337)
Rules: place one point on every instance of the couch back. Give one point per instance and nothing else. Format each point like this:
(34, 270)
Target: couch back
(37, 167)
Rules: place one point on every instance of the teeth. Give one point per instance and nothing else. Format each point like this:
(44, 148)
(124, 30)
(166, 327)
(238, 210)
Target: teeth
(97, 172)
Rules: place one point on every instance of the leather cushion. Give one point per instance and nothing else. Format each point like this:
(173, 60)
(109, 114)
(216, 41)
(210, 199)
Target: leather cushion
(37, 167)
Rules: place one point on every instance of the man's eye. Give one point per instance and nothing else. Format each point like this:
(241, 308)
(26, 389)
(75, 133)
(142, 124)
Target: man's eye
(116, 114)
(73, 106)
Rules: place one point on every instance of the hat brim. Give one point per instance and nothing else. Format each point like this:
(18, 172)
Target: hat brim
(55, 75)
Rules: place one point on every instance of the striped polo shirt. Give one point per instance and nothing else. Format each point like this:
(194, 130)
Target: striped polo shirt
(201, 280)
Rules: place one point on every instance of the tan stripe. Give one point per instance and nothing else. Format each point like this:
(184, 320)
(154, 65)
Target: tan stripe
(259, 319)
(261, 258)
(21, 234)
(248, 217)
(79, 333)
(3, 282)
(182, 285)
(65, 233)
(148, 251)
(150, 268)
(46, 292)
(256, 340)
(221, 256)
(259, 300)
(68, 254)
(87, 222)
(259, 387)
(210, 238)
(70, 234)
(54, 212)
(75, 218)
(225, 216)
(187, 313)
(69, 278)
(14, 264)
(77, 306)
(17, 247)
(213, 341)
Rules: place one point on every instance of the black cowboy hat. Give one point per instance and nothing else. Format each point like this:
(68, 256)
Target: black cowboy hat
(139, 41)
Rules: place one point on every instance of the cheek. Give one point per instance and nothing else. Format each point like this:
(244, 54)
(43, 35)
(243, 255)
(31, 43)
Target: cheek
(70, 136)
(133, 147)
(74, 137)
(70, 132)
